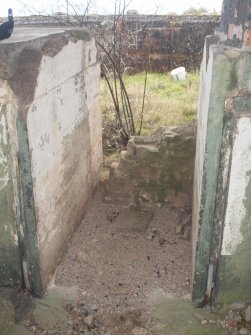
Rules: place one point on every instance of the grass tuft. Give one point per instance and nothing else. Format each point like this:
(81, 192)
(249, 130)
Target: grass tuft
(168, 102)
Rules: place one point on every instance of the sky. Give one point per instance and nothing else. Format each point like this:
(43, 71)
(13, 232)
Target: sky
(27, 7)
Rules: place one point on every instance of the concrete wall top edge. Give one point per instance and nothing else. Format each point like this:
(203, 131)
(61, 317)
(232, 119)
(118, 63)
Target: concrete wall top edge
(22, 35)
(22, 59)
(47, 42)
(229, 50)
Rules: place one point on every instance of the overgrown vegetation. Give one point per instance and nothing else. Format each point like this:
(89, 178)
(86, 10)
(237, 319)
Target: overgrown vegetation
(167, 103)
(138, 104)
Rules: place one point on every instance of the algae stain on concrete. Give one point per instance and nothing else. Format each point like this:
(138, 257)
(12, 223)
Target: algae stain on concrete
(177, 317)
(224, 74)
(235, 270)
(10, 301)
(10, 264)
(49, 313)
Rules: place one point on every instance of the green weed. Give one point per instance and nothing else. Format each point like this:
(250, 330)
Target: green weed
(168, 102)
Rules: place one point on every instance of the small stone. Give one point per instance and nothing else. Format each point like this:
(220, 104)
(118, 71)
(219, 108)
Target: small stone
(204, 322)
(237, 317)
(88, 320)
(173, 286)
(94, 307)
(234, 332)
(237, 305)
(178, 229)
(230, 315)
(244, 331)
(146, 196)
(139, 331)
(187, 233)
(198, 317)
(188, 281)
(81, 256)
(248, 314)
(152, 234)
(108, 199)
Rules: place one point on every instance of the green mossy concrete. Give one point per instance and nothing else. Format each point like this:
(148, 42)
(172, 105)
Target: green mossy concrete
(225, 77)
(28, 215)
(177, 317)
(168, 170)
(8, 319)
(244, 82)
(156, 168)
(49, 314)
(235, 270)
(10, 263)
(231, 82)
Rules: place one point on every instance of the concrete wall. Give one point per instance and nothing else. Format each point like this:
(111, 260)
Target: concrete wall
(55, 82)
(221, 208)
(155, 168)
(234, 17)
(159, 43)
(10, 257)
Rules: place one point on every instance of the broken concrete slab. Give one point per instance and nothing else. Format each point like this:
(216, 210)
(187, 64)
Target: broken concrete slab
(156, 168)
(132, 220)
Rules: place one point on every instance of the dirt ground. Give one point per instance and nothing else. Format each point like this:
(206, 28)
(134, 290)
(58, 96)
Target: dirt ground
(118, 258)
(127, 272)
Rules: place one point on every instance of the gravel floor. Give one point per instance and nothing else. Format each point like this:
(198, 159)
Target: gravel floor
(117, 264)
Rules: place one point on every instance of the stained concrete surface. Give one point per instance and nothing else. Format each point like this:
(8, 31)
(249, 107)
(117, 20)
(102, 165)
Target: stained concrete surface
(20, 314)
(179, 317)
(27, 34)
(54, 314)
(53, 122)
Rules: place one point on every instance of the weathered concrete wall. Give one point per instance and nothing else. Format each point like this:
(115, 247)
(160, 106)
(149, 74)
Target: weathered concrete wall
(156, 42)
(10, 258)
(221, 208)
(55, 81)
(156, 168)
(234, 17)
(234, 282)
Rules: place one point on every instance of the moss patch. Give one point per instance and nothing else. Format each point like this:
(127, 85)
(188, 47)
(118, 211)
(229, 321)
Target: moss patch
(178, 317)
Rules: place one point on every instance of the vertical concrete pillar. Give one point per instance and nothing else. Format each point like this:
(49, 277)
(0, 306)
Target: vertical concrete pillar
(221, 208)
(52, 90)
